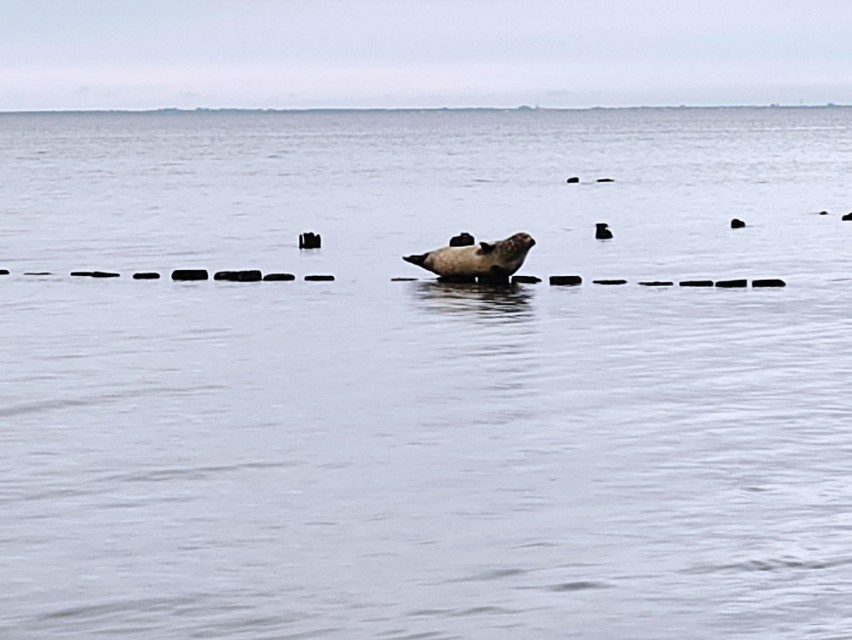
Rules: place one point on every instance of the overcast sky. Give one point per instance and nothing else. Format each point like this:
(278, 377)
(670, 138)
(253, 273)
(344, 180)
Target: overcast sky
(143, 54)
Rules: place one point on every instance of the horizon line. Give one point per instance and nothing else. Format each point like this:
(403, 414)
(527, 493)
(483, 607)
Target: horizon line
(522, 108)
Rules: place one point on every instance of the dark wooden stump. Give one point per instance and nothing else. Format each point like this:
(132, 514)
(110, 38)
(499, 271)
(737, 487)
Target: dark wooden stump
(768, 282)
(310, 240)
(525, 280)
(186, 275)
(739, 283)
(464, 239)
(566, 281)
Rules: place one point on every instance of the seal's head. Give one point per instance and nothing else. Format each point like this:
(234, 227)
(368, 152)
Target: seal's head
(516, 245)
(510, 253)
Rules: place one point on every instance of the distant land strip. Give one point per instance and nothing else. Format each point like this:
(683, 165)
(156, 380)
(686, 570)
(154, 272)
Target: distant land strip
(333, 110)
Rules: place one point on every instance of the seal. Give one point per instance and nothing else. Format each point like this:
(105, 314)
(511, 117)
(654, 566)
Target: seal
(488, 260)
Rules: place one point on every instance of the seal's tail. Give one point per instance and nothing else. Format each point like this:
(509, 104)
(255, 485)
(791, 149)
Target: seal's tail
(420, 260)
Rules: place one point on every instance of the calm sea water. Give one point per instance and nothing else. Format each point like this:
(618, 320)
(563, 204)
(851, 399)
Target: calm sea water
(375, 459)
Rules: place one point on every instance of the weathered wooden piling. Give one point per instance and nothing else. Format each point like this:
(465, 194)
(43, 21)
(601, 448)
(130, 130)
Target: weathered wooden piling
(278, 277)
(95, 274)
(310, 240)
(739, 283)
(457, 279)
(566, 281)
(185, 275)
(525, 280)
(250, 275)
(464, 239)
(768, 282)
(493, 279)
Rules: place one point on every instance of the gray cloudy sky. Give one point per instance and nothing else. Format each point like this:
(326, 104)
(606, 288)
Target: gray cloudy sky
(142, 54)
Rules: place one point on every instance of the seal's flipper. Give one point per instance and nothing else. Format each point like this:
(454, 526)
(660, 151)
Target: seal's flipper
(420, 260)
(485, 248)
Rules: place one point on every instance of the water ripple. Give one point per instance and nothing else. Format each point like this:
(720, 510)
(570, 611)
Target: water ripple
(192, 473)
(460, 613)
(497, 574)
(59, 404)
(103, 610)
(772, 565)
(582, 585)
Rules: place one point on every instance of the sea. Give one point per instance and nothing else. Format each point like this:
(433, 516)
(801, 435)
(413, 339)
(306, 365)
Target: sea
(397, 459)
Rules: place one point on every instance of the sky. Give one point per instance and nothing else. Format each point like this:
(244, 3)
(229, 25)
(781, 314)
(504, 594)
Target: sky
(285, 54)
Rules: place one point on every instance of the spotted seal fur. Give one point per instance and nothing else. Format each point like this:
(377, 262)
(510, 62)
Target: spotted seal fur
(498, 259)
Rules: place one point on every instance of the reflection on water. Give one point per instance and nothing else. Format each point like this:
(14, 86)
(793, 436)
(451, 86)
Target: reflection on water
(484, 337)
(487, 301)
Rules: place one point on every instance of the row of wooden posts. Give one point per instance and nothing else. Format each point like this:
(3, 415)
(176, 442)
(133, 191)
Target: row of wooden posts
(576, 281)
(255, 275)
(310, 240)
(737, 283)
(188, 275)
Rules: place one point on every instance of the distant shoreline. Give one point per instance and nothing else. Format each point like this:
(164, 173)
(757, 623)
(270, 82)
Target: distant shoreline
(341, 110)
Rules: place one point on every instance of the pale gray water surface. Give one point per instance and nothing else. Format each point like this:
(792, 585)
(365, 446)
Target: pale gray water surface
(366, 458)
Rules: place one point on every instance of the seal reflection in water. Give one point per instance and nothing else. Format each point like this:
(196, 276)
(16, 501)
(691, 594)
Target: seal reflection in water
(483, 302)
(487, 261)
